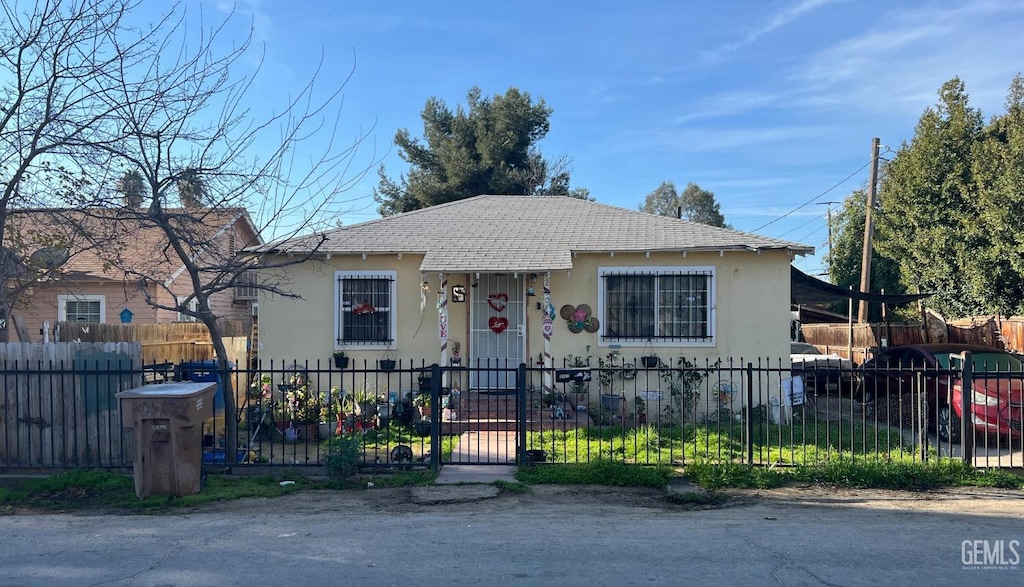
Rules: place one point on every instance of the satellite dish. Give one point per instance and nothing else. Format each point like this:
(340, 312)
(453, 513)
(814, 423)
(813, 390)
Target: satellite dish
(49, 257)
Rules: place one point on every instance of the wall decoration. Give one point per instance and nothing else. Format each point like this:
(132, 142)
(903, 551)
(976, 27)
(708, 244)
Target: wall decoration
(458, 293)
(364, 308)
(579, 318)
(126, 316)
(498, 301)
(497, 324)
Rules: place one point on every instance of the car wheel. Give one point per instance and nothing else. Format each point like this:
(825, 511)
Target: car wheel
(947, 424)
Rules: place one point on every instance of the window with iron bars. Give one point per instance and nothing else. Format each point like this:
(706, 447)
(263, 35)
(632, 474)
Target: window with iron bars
(664, 304)
(364, 309)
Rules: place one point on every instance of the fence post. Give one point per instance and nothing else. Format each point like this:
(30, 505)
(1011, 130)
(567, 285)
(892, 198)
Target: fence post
(748, 423)
(521, 415)
(967, 413)
(922, 417)
(435, 417)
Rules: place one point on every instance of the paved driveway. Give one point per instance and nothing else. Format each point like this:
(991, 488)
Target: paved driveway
(555, 535)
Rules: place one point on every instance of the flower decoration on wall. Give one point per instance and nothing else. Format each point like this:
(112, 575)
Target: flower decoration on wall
(579, 318)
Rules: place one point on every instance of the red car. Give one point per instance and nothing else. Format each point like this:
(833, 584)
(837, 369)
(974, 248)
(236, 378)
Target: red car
(997, 385)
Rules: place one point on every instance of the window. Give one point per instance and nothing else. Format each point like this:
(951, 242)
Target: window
(192, 306)
(364, 314)
(82, 308)
(657, 304)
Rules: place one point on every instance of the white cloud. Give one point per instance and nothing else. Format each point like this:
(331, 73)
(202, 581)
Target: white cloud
(773, 22)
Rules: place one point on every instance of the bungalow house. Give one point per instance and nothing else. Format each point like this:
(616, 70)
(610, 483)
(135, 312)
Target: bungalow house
(71, 266)
(516, 279)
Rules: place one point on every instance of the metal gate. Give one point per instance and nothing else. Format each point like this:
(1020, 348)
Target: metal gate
(497, 338)
(484, 426)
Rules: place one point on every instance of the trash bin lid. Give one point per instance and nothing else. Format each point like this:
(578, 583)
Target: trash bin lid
(170, 390)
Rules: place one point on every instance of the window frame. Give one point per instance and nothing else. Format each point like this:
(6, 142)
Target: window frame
(341, 345)
(192, 305)
(62, 305)
(656, 271)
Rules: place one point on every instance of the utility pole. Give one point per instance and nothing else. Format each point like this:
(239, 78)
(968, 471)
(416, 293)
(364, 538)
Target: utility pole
(828, 216)
(869, 231)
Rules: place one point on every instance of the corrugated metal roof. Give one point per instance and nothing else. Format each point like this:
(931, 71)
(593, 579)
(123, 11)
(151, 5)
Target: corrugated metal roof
(524, 233)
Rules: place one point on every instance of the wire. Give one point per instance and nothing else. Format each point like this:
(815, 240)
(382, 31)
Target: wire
(811, 201)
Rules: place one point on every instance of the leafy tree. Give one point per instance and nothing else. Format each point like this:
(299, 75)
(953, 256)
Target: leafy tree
(491, 148)
(939, 195)
(697, 204)
(844, 258)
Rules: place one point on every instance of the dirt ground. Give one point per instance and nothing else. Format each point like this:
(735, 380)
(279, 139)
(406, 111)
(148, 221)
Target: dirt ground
(978, 501)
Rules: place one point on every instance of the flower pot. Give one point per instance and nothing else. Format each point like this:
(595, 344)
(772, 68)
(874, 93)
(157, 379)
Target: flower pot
(423, 427)
(425, 383)
(425, 411)
(388, 364)
(611, 402)
(341, 362)
(324, 430)
(650, 362)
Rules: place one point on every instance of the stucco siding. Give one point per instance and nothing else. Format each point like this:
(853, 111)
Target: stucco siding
(751, 307)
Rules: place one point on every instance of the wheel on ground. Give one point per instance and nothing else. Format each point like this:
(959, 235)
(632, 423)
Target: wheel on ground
(947, 424)
(401, 454)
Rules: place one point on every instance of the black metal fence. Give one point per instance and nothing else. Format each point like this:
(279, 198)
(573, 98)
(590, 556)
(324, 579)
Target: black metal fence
(646, 411)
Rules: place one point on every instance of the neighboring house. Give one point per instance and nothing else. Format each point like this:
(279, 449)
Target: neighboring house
(653, 283)
(90, 286)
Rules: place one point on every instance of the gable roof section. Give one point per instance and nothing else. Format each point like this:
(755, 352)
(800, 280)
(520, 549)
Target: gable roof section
(138, 242)
(525, 233)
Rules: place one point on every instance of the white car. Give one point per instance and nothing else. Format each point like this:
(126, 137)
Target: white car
(821, 373)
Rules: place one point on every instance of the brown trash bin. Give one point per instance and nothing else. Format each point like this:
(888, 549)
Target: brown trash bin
(166, 422)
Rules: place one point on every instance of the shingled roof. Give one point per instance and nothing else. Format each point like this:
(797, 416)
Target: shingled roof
(113, 233)
(524, 233)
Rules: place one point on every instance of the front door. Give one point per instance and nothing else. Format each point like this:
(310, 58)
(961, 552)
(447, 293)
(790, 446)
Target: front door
(497, 342)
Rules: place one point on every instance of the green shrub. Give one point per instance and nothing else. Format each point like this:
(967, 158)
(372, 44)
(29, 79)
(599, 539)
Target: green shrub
(342, 456)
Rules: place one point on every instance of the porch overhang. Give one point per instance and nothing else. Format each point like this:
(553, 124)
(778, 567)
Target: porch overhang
(512, 258)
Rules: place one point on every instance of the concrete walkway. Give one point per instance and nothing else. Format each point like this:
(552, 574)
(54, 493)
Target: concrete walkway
(496, 449)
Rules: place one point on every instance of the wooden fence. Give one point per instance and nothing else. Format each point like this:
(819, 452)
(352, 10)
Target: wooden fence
(58, 405)
(165, 343)
(1007, 333)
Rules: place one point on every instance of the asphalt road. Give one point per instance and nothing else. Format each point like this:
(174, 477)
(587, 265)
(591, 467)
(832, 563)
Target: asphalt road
(554, 535)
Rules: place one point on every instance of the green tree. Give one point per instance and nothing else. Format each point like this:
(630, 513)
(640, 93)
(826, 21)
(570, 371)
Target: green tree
(844, 258)
(696, 204)
(491, 148)
(939, 195)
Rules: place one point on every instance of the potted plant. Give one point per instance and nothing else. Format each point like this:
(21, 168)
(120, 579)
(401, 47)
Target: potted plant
(340, 360)
(424, 380)
(422, 403)
(641, 410)
(305, 409)
(388, 362)
(649, 360)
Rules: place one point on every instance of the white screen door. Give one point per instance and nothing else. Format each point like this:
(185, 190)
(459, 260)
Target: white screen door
(497, 331)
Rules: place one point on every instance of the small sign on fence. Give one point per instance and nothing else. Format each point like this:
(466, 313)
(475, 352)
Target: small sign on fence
(574, 375)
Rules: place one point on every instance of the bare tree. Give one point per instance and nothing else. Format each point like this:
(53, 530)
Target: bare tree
(164, 103)
(55, 59)
(187, 131)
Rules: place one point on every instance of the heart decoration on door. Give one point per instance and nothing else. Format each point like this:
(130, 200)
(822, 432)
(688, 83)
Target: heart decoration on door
(498, 324)
(497, 301)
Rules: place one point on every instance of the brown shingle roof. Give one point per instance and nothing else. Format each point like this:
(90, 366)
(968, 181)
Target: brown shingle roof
(112, 233)
(525, 233)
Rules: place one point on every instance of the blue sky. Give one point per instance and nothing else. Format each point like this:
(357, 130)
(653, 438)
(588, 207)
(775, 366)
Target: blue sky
(765, 103)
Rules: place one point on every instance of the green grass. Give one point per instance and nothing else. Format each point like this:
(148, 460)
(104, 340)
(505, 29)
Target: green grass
(106, 490)
(598, 472)
(799, 443)
(510, 487)
(844, 472)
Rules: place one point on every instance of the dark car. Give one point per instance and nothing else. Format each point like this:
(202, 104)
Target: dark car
(998, 378)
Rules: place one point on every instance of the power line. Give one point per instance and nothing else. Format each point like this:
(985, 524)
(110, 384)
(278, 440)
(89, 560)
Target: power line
(811, 201)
